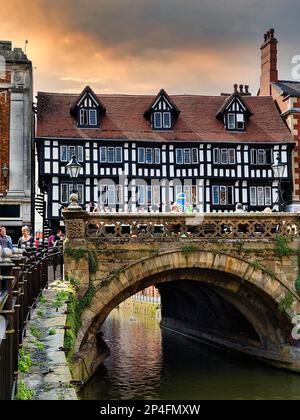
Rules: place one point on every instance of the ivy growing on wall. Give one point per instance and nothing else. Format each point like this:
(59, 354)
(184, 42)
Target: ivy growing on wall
(75, 309)
(79, 253)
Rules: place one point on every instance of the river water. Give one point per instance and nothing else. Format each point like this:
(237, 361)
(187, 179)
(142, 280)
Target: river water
(147, 362)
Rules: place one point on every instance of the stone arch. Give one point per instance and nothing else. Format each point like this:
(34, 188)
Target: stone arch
(159, 268)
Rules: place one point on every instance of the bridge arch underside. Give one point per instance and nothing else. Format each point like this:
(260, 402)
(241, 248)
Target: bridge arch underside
(212, 304)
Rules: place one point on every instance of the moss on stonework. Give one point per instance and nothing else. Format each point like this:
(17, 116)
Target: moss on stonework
(282, 248)
(75, 310)
(286, 302)
(79, 253)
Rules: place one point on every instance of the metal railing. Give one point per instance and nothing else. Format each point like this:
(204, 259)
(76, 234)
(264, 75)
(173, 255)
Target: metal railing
(195, 226)
(23, 276)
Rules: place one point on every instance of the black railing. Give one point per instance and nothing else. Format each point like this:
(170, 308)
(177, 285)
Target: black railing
(23, 276)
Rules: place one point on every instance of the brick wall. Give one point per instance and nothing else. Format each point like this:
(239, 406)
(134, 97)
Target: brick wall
(4, 130)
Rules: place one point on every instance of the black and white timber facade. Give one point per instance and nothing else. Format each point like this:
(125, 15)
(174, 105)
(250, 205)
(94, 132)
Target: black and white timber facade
(217, 150)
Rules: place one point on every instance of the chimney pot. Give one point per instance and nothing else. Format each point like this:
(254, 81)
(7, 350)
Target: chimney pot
(235, 87)
(241, 89)
(246, 88)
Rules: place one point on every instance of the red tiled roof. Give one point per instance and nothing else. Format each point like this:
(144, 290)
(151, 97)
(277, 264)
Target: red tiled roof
(125, 119)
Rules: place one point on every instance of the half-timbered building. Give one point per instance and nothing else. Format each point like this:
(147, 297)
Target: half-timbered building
(138, 152)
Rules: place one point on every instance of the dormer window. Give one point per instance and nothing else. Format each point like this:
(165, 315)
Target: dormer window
(162, 113)
(235, 112)
(162, 120)
(88, 109)
(88, 117)
(235, 121)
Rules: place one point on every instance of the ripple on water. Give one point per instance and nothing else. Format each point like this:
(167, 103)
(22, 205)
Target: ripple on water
(147, 363)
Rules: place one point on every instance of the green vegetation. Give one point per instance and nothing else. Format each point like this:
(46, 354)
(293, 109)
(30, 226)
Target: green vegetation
(75, 309)
(23, 392)
(186, 249)
(52, 331)
(40, 313)
(297, 285)
(256, 265)
(39, 345)
(113, 274)
(42, 300)
(25, 361)
(286, 302)
(60, 299)
(36, 332)
(282, 248)
(79, 253)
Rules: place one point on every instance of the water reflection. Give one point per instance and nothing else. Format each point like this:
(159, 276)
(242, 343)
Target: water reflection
(147, 363)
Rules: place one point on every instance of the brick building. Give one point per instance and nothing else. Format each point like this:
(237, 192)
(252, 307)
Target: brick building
(16, 128)
(286, 94)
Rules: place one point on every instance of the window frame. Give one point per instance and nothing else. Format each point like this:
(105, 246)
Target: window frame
(182, 160)
(141, 149)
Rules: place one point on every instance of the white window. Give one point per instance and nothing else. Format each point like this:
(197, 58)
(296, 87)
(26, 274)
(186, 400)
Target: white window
(224, 156)
(83, 117)
(64, 193)
(118, 155)
(179, 156)
(64, 153)
(258, 157)
(79, 189)
(216, 156)
(167, 120)
(71, 152)
(253, 199)
(157, 155)
(111, 195)
(231, 156)
(80, 153)
(103, 194)
(187, 156)
(222, 195)
(141, 155)
(103, 156)
(268, 196)
(110, 155)
(240, 121)
(157, 119)
(156, 194)
(231, 122)
(93, 117)
(141, 196)
(148, 155)
(260, 196)
(195, 156)
(119, 194)
(261, 157)
(149, 194)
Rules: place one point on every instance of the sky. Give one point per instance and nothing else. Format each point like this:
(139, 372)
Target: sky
(141, 46)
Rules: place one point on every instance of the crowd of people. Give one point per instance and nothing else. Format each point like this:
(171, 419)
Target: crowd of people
(27, 240)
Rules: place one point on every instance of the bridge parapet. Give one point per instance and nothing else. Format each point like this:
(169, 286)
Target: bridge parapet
(171, 226)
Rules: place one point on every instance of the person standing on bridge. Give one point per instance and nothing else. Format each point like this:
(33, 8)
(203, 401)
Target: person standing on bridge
(4, 240)
(26, 240)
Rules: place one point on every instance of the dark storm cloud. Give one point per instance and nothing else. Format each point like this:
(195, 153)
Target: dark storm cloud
(137, 26)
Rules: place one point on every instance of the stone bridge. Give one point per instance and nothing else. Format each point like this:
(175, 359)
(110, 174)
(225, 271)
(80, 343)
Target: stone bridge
(227, 279)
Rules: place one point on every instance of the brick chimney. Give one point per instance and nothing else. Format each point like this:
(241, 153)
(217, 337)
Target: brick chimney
(269, 73)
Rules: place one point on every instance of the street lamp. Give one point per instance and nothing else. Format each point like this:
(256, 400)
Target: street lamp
(5, 172)
(278, 170)
(73, 169)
